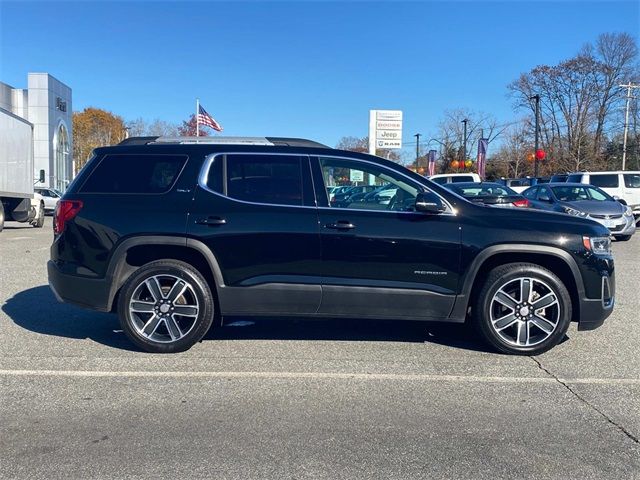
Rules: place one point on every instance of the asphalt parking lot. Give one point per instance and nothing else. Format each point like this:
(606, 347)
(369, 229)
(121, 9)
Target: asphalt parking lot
(290, 399)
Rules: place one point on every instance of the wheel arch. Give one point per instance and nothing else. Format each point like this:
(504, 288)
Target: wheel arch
(136, 251)
(560, 262)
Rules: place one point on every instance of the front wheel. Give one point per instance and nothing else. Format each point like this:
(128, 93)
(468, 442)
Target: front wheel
(522, 309)
(166, 306)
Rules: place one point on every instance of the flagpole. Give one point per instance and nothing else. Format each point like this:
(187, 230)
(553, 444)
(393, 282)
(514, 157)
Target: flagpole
(197, 123)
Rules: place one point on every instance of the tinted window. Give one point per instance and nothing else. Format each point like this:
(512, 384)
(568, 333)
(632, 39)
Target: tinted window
(574, 178)
(573, 194)
(632, 180)
(604, 181)
(439, 180)
(135, 174)
(464, 178)
(387, 190)
(275, 179)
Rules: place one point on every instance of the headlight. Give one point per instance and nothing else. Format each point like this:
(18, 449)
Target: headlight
(628, 212)
(597, 245)
(573, 211)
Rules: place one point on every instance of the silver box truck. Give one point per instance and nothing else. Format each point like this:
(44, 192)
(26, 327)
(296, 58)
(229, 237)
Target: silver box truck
(16, 172)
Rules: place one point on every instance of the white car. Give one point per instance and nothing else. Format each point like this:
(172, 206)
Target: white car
(443, 178)
(619, 184)
(37, 210)
(50, 196)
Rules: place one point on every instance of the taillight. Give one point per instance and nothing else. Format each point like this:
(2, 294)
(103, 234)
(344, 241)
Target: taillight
(65, 211)
(522, 203)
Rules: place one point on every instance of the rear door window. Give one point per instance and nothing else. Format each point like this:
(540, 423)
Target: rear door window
(135, 173)
(272, 179)
(609, 180)
(531, 193)
(632, 180)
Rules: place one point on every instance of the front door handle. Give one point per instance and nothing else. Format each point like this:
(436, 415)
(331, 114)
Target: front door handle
(340, 225)
(211, 221)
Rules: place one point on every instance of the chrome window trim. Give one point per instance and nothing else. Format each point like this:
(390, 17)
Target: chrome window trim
(206, 166)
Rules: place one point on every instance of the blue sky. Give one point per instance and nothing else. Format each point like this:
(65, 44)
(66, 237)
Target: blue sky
(308, 69)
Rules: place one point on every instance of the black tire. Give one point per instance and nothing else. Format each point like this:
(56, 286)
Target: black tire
(1, 216)
(505, 277)
(623, 238)
(196, 329)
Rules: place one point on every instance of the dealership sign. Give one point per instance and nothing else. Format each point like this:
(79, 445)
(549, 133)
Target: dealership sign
(385, 129)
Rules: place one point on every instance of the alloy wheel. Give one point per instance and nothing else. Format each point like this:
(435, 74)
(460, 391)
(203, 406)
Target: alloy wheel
(164, 308)
(524, 312)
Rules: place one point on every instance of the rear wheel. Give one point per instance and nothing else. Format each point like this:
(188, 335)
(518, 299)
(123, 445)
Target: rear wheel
(522, 309)
(166, 306)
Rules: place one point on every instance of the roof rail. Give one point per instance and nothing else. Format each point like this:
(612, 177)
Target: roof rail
(264, 141)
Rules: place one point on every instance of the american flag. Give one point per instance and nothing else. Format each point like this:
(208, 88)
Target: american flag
(432, 163)
(205, 119)
(482, 156)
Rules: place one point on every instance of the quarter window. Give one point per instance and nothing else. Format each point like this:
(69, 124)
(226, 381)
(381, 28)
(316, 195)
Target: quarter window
(129, 173)
(632, 180)
(604, 181)
(275, 179)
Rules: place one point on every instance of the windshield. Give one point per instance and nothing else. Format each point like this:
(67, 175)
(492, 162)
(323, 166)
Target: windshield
(574, 194)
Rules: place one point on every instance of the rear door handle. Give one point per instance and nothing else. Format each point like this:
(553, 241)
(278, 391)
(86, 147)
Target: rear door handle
(211, 221)
(340, 225)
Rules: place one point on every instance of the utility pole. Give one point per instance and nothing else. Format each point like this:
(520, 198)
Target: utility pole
(464, 142)
(536, 97)
(417, 135)
(628, 86)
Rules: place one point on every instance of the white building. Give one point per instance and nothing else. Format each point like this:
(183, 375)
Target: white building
(46, 104)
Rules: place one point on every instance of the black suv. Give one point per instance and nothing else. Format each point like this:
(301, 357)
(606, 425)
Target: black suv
(175, 234)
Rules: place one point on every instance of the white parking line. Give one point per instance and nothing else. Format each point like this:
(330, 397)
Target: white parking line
(317, 375)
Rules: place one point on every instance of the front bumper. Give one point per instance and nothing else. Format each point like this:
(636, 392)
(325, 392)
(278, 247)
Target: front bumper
(92, 293)
(593, 312)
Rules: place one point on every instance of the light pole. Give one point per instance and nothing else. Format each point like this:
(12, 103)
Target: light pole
(628, 86)
(464, 142)
(417, 135)
(536, 97)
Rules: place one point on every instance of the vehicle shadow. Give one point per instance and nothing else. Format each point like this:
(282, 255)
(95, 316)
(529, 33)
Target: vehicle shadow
(37, 310)
(348, 329)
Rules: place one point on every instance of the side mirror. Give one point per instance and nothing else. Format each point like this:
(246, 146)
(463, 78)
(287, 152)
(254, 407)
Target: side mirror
(429, 203)
(622, 201)
(41, 178)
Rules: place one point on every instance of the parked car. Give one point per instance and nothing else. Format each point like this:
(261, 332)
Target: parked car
(205, 242)
(443, 178)
(489, 193)
(584, 201)
(50, 197)
(620, 184)
(352, 194)
(518, 185)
